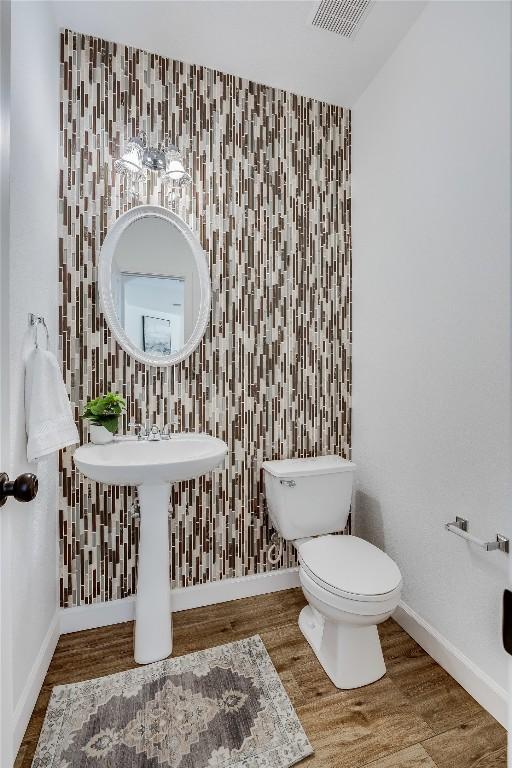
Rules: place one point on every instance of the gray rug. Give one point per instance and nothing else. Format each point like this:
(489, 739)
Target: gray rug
(221, 708)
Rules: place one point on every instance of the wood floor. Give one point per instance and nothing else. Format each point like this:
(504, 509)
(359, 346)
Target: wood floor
(416, 716)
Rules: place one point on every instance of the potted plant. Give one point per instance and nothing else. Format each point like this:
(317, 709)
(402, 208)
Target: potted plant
(103, 414)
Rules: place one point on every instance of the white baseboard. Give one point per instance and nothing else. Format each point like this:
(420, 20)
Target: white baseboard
(28, 698)
(476, 682)
(183, 598)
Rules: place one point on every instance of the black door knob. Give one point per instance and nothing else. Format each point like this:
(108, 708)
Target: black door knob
(24, 488)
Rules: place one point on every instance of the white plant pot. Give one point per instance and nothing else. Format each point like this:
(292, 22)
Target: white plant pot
(100, 435)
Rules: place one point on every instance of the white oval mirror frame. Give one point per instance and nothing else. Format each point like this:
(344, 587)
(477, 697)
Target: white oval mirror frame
(107, 253)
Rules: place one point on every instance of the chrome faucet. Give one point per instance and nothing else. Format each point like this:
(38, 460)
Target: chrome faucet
(154, 433)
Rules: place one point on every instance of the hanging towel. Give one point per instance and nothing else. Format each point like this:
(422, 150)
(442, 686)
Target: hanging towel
(48, 418)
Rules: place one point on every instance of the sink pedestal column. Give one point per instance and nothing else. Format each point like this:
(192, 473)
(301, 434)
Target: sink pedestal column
(153, 628)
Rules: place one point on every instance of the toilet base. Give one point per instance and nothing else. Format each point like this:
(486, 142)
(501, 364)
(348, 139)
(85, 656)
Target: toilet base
(351, 655)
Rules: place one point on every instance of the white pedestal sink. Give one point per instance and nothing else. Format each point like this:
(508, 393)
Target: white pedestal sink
(152, 466)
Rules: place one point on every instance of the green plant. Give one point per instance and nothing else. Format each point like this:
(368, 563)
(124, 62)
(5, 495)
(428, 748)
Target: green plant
(105, 411)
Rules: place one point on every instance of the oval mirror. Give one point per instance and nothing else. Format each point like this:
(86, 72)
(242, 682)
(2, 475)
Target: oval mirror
(154, 285)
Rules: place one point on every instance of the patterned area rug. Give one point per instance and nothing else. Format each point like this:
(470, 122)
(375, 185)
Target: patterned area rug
(221, 708)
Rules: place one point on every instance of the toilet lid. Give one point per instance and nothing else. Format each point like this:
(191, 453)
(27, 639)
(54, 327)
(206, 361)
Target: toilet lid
(318, 465)
(350, 566)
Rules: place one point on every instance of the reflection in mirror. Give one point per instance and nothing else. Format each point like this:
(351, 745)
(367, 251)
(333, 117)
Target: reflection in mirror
(151, 309)
(155, 286)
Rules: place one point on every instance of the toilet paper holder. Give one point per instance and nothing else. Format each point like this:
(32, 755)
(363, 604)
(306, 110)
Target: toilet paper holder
(460, 528)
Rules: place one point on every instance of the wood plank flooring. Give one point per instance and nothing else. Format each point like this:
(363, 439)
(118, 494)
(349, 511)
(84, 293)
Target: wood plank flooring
(416, 716)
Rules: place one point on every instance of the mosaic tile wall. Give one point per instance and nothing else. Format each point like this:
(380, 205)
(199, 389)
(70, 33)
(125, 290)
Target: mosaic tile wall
(270, 201)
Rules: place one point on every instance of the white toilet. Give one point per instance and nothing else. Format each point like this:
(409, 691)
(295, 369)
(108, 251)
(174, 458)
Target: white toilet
(350, 585)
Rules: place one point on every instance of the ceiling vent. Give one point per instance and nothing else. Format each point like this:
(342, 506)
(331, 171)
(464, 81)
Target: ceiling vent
(343, 17)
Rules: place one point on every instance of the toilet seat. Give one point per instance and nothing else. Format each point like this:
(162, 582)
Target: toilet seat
(351, 568)
(346, 606)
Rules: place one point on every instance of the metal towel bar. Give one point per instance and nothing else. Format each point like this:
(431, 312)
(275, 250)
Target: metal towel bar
(460, 528)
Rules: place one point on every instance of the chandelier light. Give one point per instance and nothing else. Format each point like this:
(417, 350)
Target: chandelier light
(139, 159)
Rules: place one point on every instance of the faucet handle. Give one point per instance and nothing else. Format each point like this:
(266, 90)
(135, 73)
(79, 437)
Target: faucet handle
(140, 430)
(167, 431)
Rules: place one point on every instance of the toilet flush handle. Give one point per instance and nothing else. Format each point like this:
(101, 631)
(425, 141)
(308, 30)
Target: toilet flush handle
(289, 483)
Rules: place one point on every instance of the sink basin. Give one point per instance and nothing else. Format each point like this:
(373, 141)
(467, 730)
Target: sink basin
(134, 462)
(152, 466)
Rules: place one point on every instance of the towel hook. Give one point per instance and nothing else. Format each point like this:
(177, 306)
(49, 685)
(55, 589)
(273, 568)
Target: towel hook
(36, 321)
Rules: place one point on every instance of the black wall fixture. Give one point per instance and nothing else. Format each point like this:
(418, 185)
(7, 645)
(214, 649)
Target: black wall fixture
(24, 488)
(507, 621)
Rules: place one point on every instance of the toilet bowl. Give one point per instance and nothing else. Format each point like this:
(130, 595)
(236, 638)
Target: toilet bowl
(351, 586)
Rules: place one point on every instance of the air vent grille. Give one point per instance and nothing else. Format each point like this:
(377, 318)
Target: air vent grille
(343, 17)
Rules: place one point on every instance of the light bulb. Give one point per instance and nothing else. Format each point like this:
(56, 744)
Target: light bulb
(131, 159)
(175, 172)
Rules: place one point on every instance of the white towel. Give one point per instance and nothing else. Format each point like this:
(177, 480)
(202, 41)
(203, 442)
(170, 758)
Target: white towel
(48, 418)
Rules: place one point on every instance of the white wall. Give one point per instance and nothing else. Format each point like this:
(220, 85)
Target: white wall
(268, 42)
(431, 302)
(32, 288)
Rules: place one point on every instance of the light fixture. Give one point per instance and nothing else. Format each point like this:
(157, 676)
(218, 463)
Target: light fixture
(130, 163)
(138, 158)
(175, 172)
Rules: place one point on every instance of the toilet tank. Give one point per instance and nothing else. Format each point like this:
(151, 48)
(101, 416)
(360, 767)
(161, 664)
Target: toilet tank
(308, 497)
